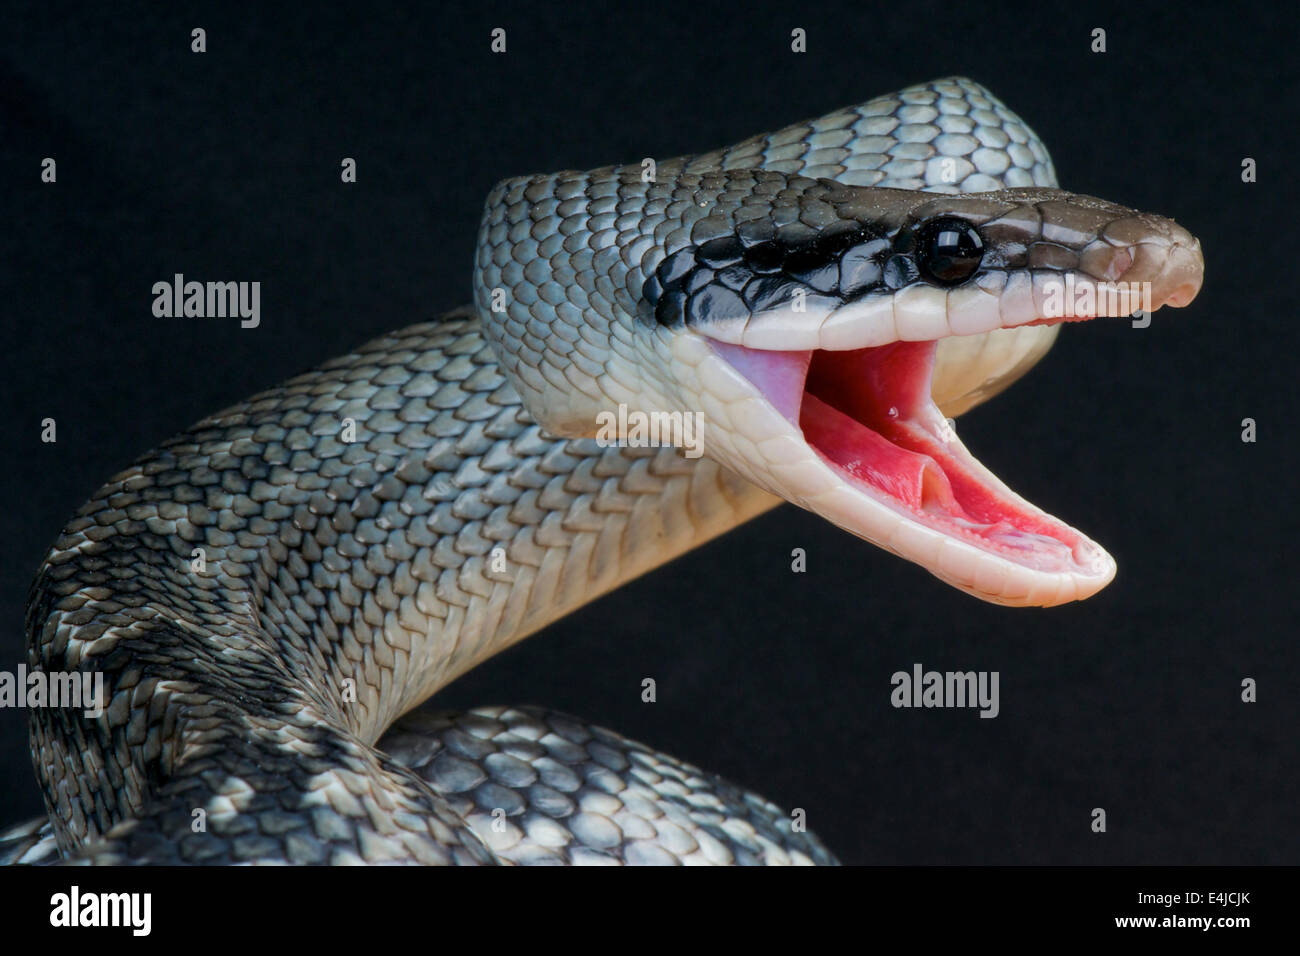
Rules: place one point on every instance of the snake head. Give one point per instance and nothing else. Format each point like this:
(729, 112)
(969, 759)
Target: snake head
(802, 321)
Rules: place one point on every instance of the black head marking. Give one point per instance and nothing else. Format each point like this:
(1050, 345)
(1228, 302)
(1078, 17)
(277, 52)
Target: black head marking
(900, 270)
(719, 253)
(761, 266)
(714, 303)
(860, 267)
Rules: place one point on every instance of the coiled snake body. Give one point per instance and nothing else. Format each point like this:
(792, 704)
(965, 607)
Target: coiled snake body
(268, 593)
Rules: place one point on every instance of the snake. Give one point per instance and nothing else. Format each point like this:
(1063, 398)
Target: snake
(656, 352)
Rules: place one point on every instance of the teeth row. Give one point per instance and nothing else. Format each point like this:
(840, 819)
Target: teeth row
(922, 313)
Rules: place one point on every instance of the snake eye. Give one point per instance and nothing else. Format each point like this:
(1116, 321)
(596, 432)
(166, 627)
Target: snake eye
(948, 250)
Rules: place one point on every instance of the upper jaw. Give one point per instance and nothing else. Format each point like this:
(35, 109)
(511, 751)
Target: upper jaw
(1109, 280)
(862, 280)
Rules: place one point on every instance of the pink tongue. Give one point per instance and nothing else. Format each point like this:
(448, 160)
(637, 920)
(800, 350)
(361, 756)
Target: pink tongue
(915, 479)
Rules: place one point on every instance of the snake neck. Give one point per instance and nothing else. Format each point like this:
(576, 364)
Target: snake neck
(539, 526)
(356, 538)
(513, 528)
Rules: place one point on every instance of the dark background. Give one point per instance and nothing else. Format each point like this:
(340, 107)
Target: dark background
(226, 166)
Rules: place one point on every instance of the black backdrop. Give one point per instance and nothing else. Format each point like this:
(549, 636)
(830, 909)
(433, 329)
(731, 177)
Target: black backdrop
(226, 165)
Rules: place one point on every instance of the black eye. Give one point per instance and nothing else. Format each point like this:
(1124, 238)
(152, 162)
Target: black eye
(948, 250)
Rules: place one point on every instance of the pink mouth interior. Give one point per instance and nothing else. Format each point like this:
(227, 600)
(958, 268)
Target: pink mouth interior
(869, 415)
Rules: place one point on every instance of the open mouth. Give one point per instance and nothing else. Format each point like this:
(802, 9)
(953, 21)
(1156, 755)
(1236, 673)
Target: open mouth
(895, 472)
(867, 414)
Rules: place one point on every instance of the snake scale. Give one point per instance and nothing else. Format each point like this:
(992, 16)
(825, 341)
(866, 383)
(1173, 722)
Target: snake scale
(271, 595)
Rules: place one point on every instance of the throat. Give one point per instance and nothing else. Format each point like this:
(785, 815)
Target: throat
(861, 411)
